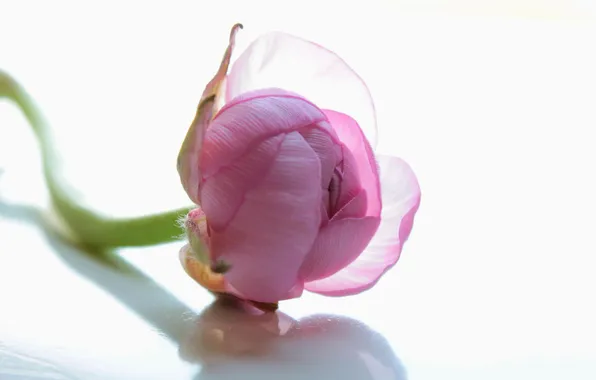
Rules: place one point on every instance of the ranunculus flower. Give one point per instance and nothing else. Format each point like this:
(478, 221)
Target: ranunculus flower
(291, 195)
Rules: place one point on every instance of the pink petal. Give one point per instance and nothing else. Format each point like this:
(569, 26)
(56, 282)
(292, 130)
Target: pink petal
(275, 227)
(252, 118)
(223, 193)
(243, 140)
(291, 63)
(338, 244)
(328, 151)
(362, 160)
(355, 208)
(401, 199)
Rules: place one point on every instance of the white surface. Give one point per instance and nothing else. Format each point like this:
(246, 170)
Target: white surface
(495, 115)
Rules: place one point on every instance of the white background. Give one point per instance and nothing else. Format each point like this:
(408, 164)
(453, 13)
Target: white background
(492, 103)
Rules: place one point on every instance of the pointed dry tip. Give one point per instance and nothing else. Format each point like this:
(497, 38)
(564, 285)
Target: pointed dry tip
(234, 30)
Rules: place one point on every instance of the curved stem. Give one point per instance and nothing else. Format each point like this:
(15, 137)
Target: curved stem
(88, 227)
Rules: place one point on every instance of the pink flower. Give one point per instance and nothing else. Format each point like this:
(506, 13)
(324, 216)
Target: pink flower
(291, 194)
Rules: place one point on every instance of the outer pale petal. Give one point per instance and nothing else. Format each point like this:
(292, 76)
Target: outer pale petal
(361, 167)
(188, 157)
(274, 228)
(401, 198)
(291, 63)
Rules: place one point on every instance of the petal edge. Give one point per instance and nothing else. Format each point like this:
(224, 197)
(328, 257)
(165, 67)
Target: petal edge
(401, 200)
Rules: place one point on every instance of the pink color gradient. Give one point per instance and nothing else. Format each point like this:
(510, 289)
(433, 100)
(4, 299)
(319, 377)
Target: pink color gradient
(285, 174)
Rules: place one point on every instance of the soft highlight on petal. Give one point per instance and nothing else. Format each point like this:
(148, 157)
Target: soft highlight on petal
(272, 232)
(401, 199)
(223, 193)
(244, 123)
(281, 60)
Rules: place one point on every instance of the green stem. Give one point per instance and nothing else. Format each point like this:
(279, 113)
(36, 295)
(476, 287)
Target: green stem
(88, 227)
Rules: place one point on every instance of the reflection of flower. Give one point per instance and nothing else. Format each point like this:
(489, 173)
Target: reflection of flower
(230, 327)
(231, 340)
(291, 195)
